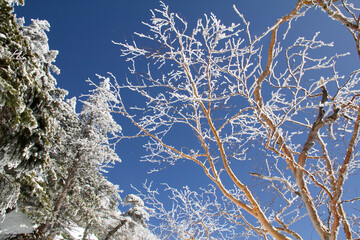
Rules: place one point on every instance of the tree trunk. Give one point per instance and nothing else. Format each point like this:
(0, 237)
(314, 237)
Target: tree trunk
(60, 199)
(85, 232)
(113, 231)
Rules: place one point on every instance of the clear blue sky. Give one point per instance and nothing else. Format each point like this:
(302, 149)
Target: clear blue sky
(82, 32)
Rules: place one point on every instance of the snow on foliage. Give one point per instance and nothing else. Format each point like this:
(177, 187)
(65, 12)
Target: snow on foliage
(96, 114)
(15, 2)
(290, 103)
(27, 97)
(15, 222)
(51, 157)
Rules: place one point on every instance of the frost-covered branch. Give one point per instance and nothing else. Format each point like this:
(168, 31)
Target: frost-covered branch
(232, 100)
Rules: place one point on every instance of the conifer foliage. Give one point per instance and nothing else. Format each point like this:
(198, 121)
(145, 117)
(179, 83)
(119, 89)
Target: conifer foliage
(52, 159)
(28, 97)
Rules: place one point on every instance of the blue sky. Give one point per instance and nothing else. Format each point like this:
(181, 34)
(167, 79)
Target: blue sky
(82, 31)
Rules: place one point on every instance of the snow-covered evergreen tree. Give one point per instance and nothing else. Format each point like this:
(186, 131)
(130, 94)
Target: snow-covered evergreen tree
(28, 96)
(85, 149)
(51, 158)
(131, 225)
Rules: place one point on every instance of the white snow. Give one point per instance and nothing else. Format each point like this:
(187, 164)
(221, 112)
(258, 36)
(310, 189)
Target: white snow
(77, 233)
(12, 2)
(2, 36)
(15, 222)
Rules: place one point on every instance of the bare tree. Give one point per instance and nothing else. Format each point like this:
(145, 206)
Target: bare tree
(290, 102)
(200, 214)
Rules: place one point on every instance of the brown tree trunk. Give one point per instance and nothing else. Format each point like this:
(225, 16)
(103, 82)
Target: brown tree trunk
(44, 228)
(114, 230)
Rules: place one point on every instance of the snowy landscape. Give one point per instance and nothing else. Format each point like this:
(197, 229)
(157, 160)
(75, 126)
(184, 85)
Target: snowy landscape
(221, 129)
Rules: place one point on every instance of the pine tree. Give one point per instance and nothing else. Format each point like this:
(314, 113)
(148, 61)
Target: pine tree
(132, 223)
(50, 157)
(28, 97)
(85, 150)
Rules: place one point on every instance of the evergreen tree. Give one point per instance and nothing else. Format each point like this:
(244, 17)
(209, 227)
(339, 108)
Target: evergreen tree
(131, 225)
(84, 151)
(52, 159)
(28, 97)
